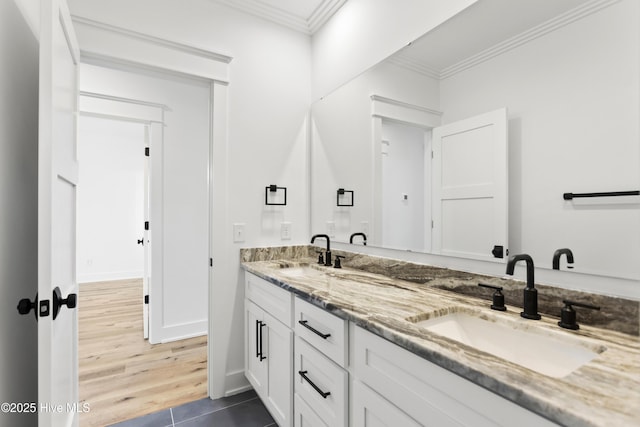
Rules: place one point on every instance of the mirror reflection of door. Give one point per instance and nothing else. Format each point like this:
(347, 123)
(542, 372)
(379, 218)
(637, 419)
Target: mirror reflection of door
(406, 194)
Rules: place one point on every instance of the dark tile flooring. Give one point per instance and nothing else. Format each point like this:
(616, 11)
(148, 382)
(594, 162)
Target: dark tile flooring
(242, 410)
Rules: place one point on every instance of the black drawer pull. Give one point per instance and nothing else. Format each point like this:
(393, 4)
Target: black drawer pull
(261, 355)
(314, 330)
(324, 394)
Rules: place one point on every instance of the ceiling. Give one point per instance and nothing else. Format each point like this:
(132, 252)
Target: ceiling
(306, 16)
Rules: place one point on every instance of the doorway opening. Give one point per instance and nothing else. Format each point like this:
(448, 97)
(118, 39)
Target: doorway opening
(121, 374)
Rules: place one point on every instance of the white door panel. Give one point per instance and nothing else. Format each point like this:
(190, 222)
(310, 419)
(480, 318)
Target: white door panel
(57, 181)
(470, 199)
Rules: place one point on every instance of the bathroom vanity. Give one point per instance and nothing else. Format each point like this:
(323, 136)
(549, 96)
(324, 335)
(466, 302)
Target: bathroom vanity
(347, 347)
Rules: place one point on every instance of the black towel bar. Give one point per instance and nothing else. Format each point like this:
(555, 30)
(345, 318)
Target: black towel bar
(570, 196)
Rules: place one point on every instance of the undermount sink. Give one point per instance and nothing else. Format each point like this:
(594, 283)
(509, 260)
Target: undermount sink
(518, 341)
(303, 270)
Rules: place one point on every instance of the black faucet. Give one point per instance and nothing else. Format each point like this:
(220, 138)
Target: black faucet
(364, 238)
(327, 258)
(530, 302)
(556, 258)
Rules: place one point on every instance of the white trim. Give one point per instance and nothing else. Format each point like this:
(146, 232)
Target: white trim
(122, 99)
(419, 66)
(546, 27)
(115, 45)
(182, 47)
(307, 25)
(109, 276)
(236, 382)
(404, 112)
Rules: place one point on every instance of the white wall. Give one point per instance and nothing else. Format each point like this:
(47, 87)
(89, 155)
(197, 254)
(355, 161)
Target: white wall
(110, 204)
(19, 211)
(573, 107)
(268, 101)
(364, 32)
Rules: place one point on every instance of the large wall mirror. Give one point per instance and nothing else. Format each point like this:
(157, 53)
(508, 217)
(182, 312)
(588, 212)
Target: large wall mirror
(566, 78)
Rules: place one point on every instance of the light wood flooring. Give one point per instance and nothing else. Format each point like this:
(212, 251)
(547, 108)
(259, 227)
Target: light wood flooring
(121, 375)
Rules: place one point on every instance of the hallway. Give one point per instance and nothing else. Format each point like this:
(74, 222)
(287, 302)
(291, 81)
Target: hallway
(121, 375)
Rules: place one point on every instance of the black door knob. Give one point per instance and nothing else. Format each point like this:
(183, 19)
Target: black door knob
(25, 305)
(141, 242)
(58, 301)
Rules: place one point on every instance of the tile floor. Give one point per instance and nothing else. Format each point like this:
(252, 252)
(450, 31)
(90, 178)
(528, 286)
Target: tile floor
(242, 410)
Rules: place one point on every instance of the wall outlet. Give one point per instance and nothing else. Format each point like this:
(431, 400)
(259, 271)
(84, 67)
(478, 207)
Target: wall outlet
(238, 233)
(331, 229)
(285, 231)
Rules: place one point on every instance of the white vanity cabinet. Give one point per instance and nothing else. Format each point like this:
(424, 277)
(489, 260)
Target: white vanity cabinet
(269, 346)
(397, 384)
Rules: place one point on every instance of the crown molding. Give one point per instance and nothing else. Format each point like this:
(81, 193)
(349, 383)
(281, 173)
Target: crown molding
(540, 30)
(534, 33)
(307, 25)
(414, 65)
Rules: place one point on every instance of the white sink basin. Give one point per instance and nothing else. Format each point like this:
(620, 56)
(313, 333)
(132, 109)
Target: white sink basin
(518, 341)
(301, 271)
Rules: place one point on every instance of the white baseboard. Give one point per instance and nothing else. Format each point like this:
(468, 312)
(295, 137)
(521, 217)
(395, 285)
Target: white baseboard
(235, 383)
(107, 276)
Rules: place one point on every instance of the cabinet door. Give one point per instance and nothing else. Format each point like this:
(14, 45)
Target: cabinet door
(255, 366)
(277, 347)
(372, 410)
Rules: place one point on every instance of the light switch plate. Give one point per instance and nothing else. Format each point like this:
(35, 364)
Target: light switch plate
(238, 233)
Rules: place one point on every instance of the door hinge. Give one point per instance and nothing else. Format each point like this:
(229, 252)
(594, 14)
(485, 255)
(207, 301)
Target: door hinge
(146, 225)
(146, 151)
(146, 299)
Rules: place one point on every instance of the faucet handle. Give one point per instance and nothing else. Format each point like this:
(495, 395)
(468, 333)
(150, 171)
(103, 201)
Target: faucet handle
(568, 314)
(320, 257)
(338, 263)
(498, 298)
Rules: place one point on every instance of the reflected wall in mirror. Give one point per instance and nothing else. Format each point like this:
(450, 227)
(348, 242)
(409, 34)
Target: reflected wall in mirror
(568, 73)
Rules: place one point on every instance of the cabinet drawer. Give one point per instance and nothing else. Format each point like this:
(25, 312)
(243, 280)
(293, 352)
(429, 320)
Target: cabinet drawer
(428, 393)
(274, 300)
(321, 383)
(323, 330)
(304, 415)
(370, 409)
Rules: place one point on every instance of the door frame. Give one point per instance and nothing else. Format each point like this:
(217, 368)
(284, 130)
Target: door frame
(393, 110)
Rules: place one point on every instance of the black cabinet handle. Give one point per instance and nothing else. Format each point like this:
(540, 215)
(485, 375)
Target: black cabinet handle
(324, 394)
(312, 329)
(261, 356)
(257, 338)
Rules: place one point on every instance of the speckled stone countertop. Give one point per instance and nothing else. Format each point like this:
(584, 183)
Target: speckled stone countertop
(603, 392)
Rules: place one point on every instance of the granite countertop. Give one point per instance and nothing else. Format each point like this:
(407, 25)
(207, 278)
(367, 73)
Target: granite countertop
(603, 392)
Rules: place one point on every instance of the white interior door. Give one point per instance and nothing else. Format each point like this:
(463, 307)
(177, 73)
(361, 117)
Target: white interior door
(470, 199)
(57, 181)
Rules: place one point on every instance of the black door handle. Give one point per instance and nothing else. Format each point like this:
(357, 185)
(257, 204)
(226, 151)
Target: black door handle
(141, 242)
(58, 301)
(25, 305)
